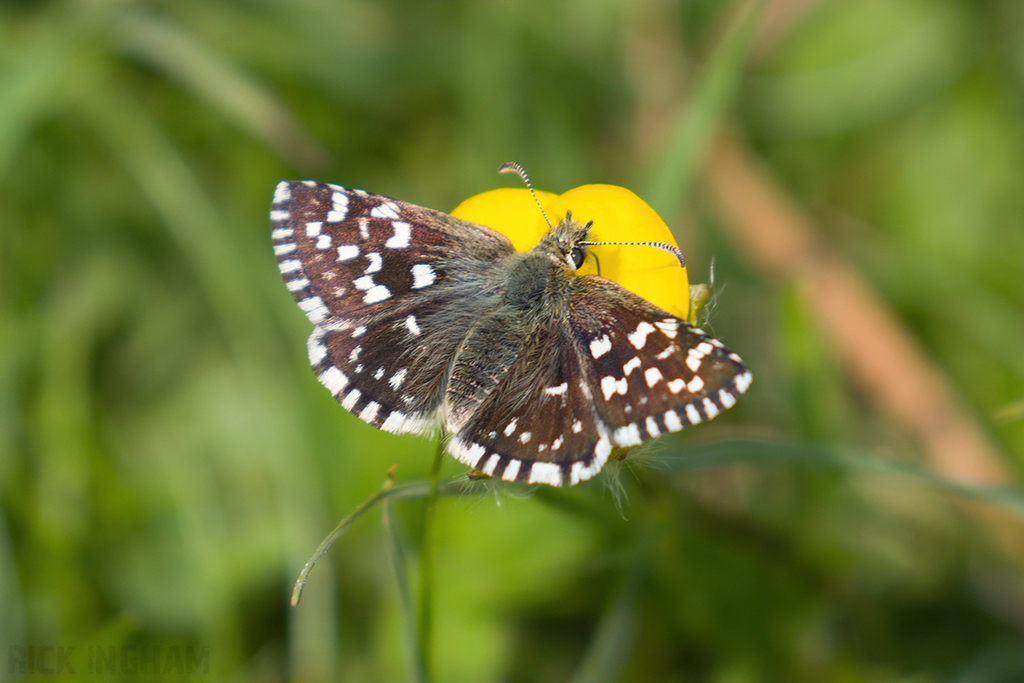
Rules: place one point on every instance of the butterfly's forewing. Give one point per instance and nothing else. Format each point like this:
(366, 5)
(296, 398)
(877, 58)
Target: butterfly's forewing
(382, 281)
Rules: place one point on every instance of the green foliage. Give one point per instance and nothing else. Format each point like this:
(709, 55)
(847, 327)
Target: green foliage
(168, 462)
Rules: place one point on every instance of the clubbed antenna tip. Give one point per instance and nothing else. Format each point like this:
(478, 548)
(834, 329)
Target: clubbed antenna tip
(513, 167)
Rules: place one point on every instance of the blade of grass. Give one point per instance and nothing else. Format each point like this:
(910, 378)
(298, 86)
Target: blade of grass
(185, 208)
(754, 452)
(673, 174)
(225, 86)
(615, 635)
(30, 85)
(413, 490)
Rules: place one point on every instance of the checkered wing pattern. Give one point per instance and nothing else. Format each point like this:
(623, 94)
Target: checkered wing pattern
(621, 372)
(421, 319)
(373, 275)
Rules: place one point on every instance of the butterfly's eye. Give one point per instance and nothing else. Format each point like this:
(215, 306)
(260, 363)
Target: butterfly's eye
(576, 257)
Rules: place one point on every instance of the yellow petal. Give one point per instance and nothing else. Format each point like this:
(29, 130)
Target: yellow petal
(621, 216)
(618, 215)
(510, 211)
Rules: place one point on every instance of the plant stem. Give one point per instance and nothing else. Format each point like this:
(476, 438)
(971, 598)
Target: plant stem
(428, 553)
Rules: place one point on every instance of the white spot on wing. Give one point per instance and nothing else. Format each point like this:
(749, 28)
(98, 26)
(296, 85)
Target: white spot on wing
(375, 263)
(672, 421)
(608, 386)
(601, 346)
(347, 251)
(402, 236)
(334, 379)
(396, 379)
(669, 350)
(653, 376)
(669, 327)
(350, 400)
(710, 409)
(469, 455)
(727, 399)
(400, 423)
(627, 436)
(511, 470)
(579, 472)
(313, 228)
(545, 473)
(339, 207)
(314, 308)
(492, 462)
(639, 337)
(557, 391)
(386, 209)
(631, 365)
(369, 413)
(410, 324)
(316, 350)
(422, 276)
(283, 192)
(376, 294)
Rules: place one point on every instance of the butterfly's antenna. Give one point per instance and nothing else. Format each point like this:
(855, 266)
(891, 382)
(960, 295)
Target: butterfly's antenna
(513, 167)
(674, 250)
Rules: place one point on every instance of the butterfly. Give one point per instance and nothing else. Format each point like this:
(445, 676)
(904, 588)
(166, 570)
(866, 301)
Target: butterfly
(536, 373)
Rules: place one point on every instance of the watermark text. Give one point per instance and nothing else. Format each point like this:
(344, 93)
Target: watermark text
(121, 660)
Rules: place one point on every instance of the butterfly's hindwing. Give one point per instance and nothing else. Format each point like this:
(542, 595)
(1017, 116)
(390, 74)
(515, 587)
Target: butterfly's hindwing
(622, 372)
(538, 425)
(650, 372)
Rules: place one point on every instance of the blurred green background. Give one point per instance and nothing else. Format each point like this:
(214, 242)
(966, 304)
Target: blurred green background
(168, 461)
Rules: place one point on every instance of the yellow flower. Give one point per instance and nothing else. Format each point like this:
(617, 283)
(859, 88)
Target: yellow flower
(618, 216)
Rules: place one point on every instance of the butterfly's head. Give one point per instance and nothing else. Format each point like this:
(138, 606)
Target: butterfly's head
(566, 242)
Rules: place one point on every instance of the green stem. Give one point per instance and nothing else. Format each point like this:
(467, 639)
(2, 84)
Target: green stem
(428, 553)
(387, 491)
